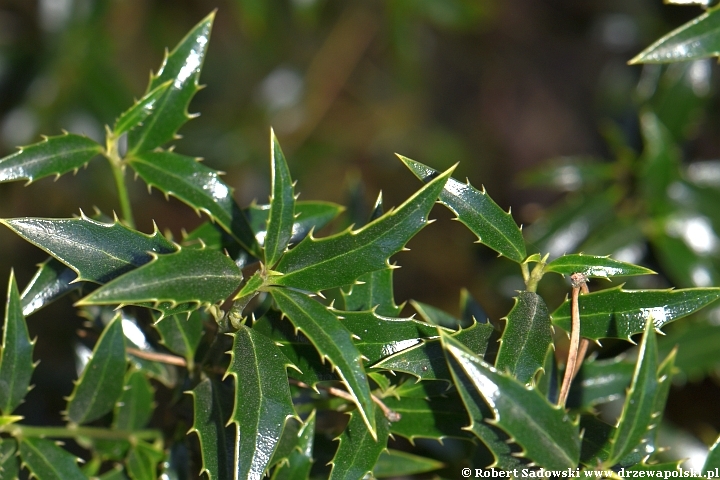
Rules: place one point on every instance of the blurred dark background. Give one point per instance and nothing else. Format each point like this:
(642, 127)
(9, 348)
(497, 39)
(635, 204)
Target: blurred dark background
(499, 86)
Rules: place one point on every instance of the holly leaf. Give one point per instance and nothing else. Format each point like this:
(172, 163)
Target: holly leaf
(182, 68)
(142, 461)
(526, 339)
(359, 450)
(545, 432)
(434, 417)
(135, 407)
(197, 186)
(140, 110)
(16, 363)
(182, 335)
(96, 251)
(212, 407)
(262, 401)
(332, 341)
(8, 458)
(195, 276)
(712, 462)
(475, 209)
(618, 313)
(53, 156)
(435, 316)
(396, 463)
(300, 458)
(338, 260)
(282, 206)
(594, 266)
(101, 382)
(51, 281)
(600, 381)
(47, 461)
(373, 290)
(309, 216)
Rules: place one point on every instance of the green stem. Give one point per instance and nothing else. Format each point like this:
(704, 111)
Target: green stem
(532, 280)
(116, 163)
(72, 431)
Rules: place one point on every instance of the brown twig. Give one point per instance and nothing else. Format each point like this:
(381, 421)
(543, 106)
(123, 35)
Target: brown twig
(340, 393)
(584, 342)
(578, 280)
(158, 357)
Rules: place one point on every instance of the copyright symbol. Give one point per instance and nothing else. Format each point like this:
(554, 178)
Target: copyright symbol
(466, 472)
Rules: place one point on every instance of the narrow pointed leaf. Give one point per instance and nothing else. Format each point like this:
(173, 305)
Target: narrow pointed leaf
(333, 342)
(600, 381)
(16, 363)
(427, 359)
(435, 417)
(358, 451)
(638, 412)
(212, 407)
(527, 336)
(338, 260)
(493, 226)
(309, 216)
(435, 316)
(182, 334)
(47, 461)
(699, 38)
(282, 206)
(96, 251)
(135, 407)
(196, 185)
(142, 109)
(52, 156)
(143, 460)
(594, 266)
(182, 67)
(396, 463)
(548, 436)
(8, 458)
(101, 382)
(300, 460)
(262, 401)
(373, 290)
(199, 276)
(618, 313)
(712, 462)
(51, 281)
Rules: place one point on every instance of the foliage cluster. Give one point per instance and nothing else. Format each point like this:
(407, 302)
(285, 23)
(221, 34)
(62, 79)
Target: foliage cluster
(291, 349)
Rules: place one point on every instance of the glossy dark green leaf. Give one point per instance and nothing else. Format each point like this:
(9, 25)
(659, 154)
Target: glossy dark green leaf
(549, 381)
(527, 336)
(212, 407)
(101, 382)
(52, 156)
(618, 313)
(309, 216)
(8, 458)
(435, 316)
(300, 459)
(196, 185)
(135, 407)
(699, 38)
(199, 276)
(471, 310)
(182, 334)
(51, 281)
(493, 226)
(712, 462)
(282, 206)
(262, 401)
(549, 437)
(142, 109)
(142, 461)
(427, 359)
(182, 67)
(16, 363)
(600, 381)
(396, 463)
(332, 341)
(359, 451)
(47, 461)
(435, 417)
(594, 266)
(373, 290)
(377, 337)
(638, 412)
(338, 260)
(96, 251)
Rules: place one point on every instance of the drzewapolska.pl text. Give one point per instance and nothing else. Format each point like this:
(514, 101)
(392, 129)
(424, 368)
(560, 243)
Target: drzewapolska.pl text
(577, 473)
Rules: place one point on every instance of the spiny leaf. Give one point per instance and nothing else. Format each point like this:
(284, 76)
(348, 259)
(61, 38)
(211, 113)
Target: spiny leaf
(51, 281)
(142, 109)
(47, 461)
(135, 407)
(143, 460)
(8, 458)
(332, 341)
(300, 459)
(282, 206)
(594, 266)
(396, 463)
(373, 290)
(198, 186)
(182, 335)
(545, 432)
(526, 338)
(475, 209)
(52, 156)
(198, 276)
(359, 450)
(262, 401)
(712, 462)
(16, 363)
(96, 251)
(338, 260)
(435, 417)
(618, 313)
(699, 38)
(182, 67)
(600, 381)
(212, 406)
(436, 316)
(101, 382)
(309, 216)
